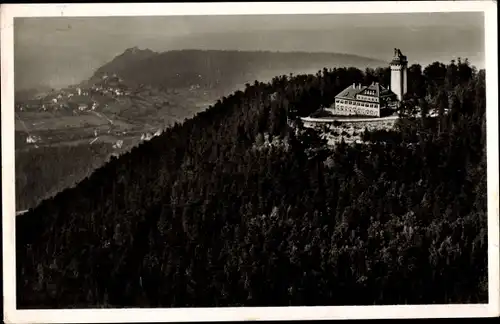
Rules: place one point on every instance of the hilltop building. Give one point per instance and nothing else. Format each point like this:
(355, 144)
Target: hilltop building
(374, 100)
(361, 100)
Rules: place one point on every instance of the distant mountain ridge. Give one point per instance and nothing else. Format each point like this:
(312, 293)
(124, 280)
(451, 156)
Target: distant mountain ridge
(223, 70)
(137, 76)
(120, 62)
(220, 69)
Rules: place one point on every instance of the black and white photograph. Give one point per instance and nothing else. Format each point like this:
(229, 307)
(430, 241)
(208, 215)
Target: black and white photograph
(216, 157)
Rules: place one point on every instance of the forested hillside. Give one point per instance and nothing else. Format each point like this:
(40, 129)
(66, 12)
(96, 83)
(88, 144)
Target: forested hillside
(240, 207)
(41, 173)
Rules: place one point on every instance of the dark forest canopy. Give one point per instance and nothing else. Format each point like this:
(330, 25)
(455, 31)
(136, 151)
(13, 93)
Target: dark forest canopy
(37, 178)
(208, 215)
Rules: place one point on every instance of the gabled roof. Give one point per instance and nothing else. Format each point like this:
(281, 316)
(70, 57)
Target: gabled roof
(351, 91)
(374, 87)
(380, 90)
(386, 92)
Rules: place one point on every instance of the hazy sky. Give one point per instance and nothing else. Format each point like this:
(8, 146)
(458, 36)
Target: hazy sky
(60, 51)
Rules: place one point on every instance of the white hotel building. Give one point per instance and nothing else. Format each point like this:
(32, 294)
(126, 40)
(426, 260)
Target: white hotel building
(372, 100)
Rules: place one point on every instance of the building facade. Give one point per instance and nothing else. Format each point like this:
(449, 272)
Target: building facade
(374, 100)
(359, 100)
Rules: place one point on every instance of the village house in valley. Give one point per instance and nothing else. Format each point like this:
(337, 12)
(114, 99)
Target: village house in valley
(374, 100)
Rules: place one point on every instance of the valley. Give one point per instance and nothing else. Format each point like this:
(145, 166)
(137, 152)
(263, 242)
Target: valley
(133, 98)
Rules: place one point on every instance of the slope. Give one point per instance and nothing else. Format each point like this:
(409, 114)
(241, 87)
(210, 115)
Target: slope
(132, 97)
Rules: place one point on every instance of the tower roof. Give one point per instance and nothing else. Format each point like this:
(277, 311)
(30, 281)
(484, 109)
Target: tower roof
(398, 58)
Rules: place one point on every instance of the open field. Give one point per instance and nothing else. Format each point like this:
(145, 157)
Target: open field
(79, 142)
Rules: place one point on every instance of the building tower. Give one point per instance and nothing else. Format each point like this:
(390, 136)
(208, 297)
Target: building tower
(399, 67)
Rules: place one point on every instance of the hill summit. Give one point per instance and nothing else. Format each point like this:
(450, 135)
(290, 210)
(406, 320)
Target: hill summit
(122, 61)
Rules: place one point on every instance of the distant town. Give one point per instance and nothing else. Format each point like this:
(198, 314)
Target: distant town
(75, 98)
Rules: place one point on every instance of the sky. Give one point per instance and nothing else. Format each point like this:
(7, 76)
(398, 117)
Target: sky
(59, 51)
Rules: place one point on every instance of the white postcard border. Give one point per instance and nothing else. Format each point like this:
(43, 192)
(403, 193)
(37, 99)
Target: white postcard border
(12, 315)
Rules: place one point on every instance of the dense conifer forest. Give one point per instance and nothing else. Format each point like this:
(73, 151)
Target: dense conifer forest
(40, 172)
(242, 206)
